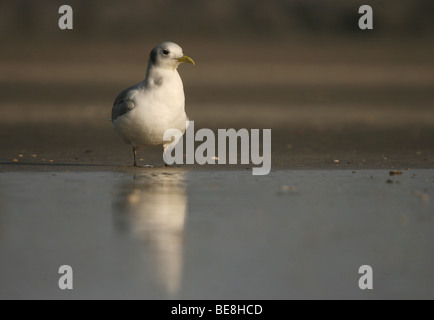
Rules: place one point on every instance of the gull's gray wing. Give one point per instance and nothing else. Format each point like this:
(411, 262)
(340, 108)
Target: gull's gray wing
(123, 103)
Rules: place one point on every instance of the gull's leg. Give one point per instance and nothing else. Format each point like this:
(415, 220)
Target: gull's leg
(134, 153)
(164, 153)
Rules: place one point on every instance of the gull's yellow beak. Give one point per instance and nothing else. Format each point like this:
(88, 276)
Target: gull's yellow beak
(186, 60)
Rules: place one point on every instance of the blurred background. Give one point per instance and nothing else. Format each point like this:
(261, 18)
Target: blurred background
(303, 68)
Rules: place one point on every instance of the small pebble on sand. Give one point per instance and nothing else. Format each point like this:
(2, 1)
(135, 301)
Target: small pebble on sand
(425, 198)
(286, 188)
(395, 172)
(422, 196)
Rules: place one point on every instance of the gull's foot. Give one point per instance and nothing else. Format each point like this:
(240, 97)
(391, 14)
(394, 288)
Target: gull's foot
(147, 166)
(143, 166)
(171, 166)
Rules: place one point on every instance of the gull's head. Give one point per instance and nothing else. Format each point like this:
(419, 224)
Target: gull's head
(168, 55)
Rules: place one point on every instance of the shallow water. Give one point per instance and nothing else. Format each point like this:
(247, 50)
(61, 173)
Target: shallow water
(160, 233)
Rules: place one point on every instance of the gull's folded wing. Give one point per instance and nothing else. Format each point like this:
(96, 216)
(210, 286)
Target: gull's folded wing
(122, 104)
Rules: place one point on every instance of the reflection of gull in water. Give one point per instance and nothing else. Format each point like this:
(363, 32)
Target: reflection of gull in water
(154, 210)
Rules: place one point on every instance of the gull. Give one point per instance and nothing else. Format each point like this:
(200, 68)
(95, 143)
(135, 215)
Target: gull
(142, 113)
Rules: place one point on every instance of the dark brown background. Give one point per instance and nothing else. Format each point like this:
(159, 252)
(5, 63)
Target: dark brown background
(328, 90)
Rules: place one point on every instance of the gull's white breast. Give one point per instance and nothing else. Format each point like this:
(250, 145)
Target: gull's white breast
(159, 105)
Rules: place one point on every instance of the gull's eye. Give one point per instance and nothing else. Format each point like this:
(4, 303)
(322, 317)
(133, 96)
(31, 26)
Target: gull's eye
(165, 52)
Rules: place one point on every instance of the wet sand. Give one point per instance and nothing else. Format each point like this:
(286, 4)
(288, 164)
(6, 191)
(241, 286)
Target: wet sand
(311, 139)
(188, 234)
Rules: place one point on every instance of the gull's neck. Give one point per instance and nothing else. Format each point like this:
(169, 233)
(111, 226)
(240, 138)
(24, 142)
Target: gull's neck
(153, 73)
